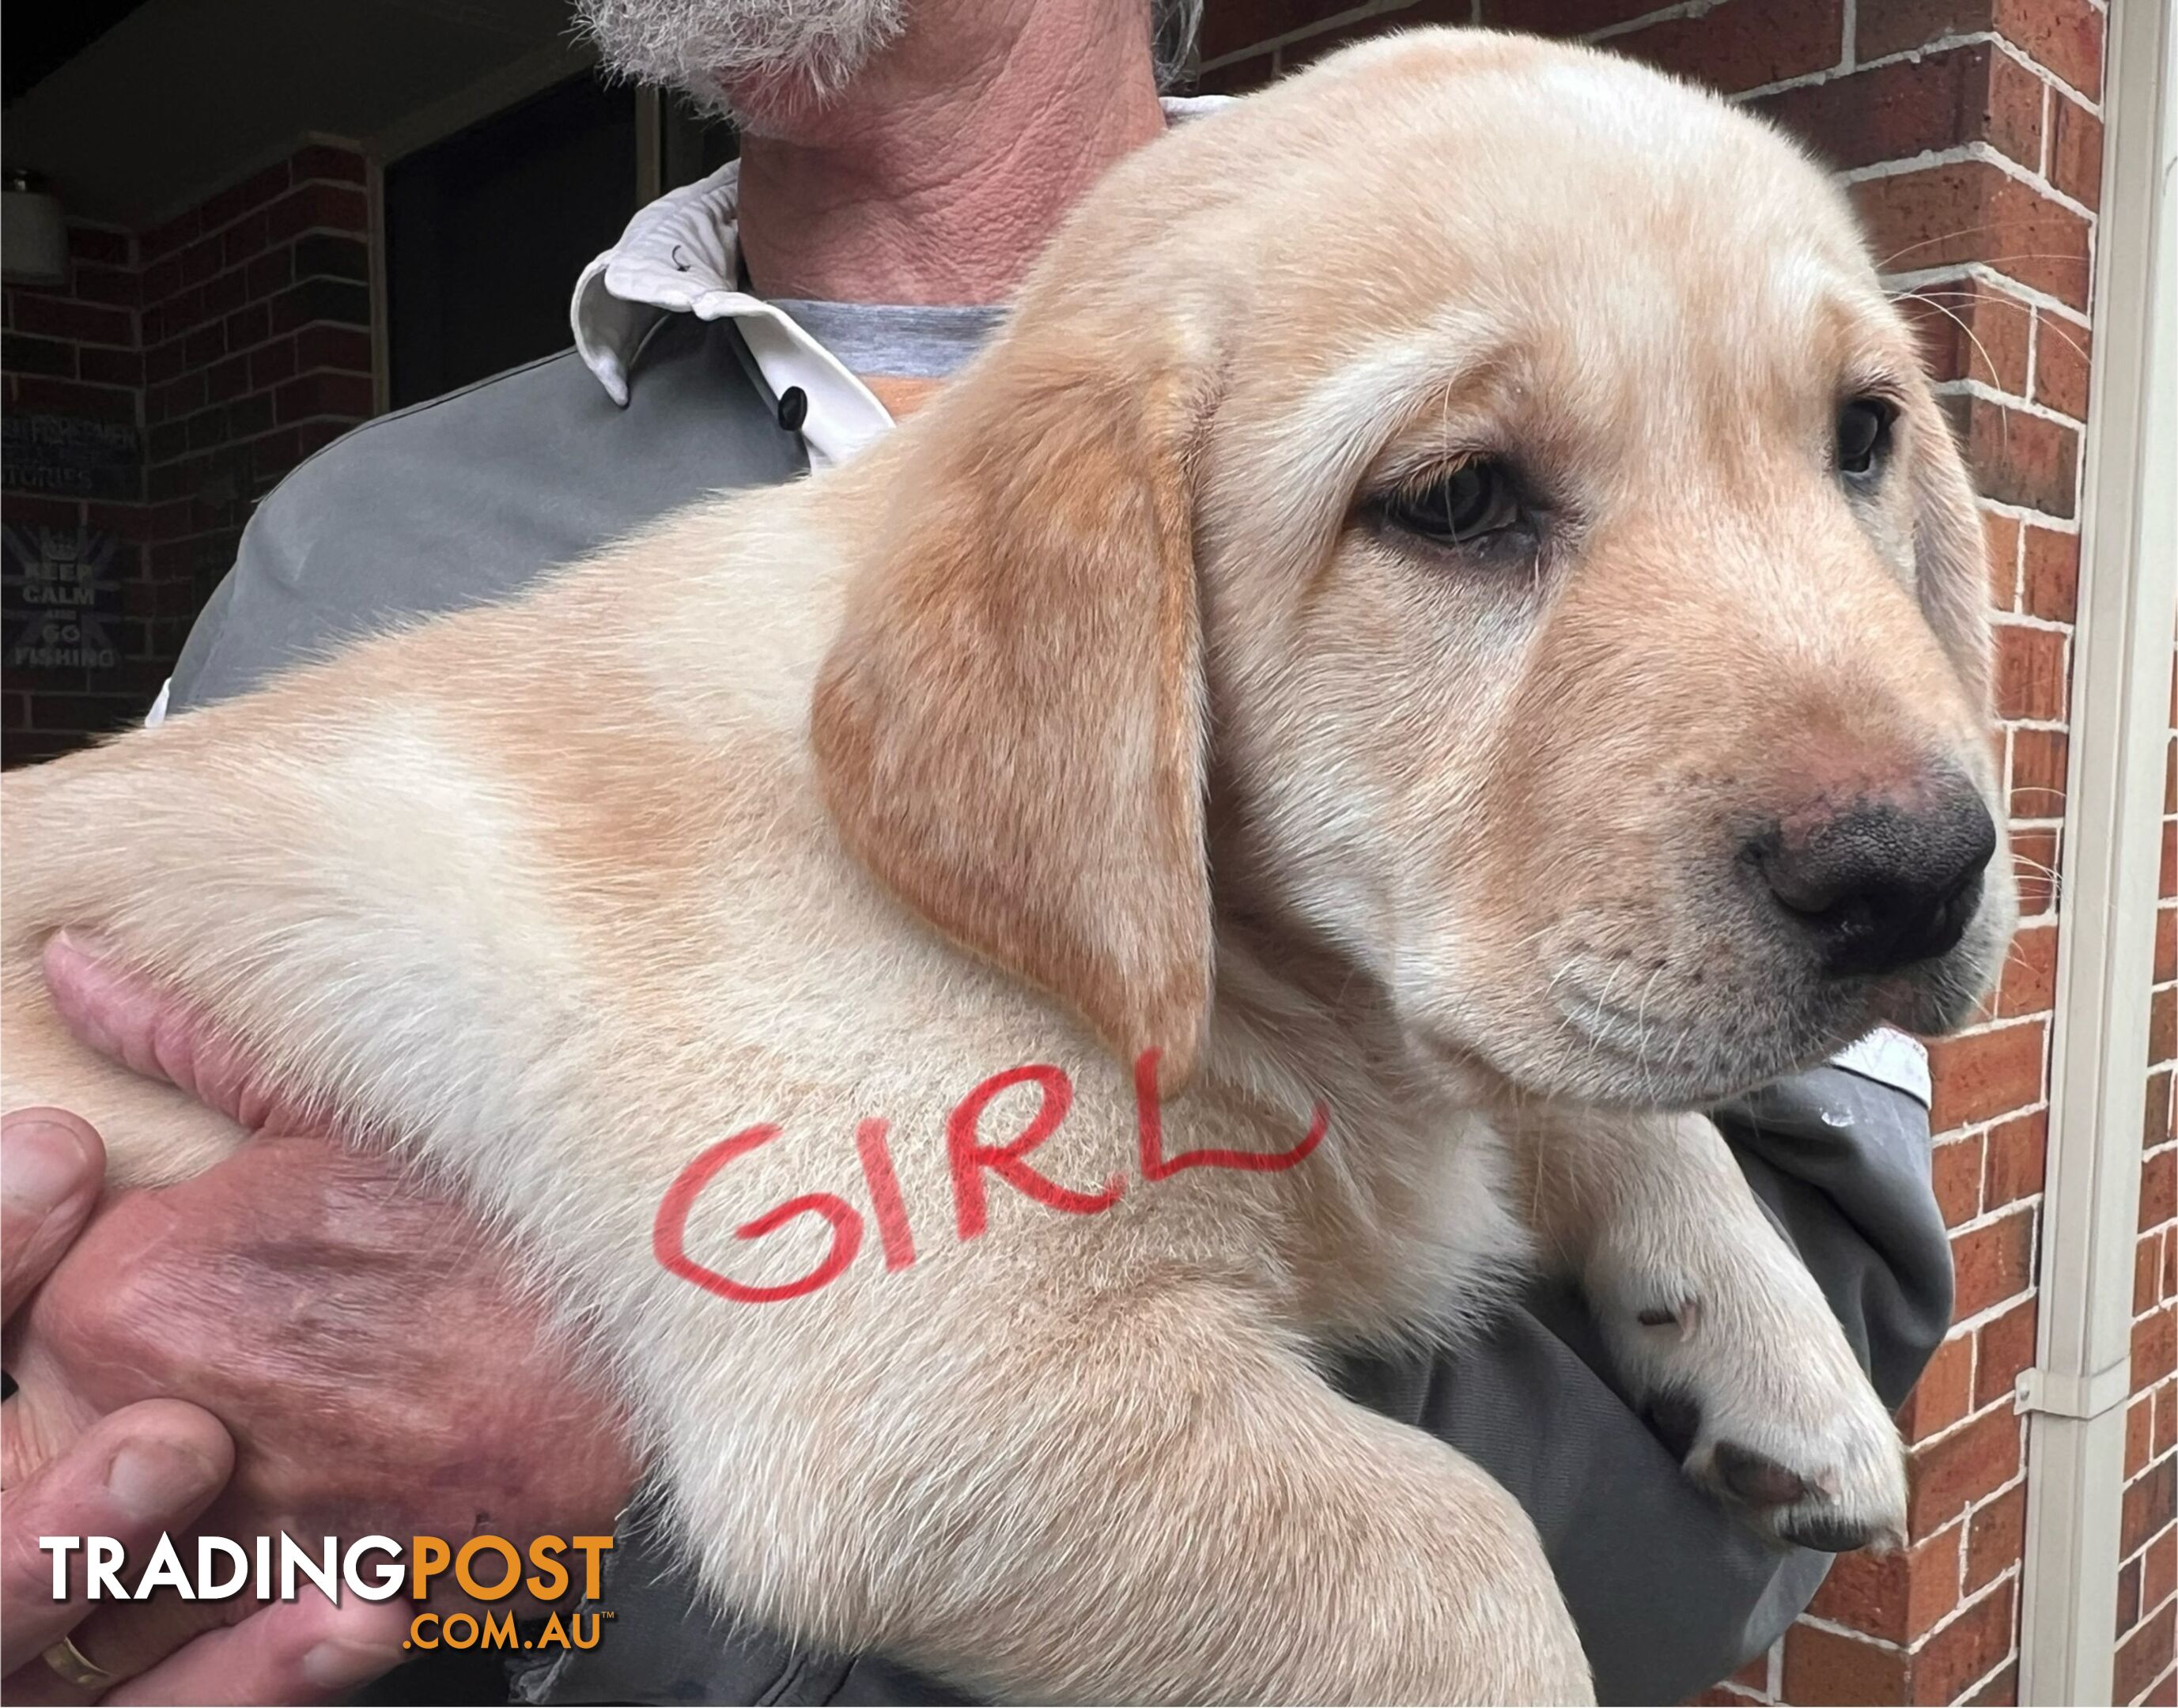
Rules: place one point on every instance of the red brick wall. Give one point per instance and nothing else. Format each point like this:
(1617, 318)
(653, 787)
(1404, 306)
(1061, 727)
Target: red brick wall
(257, 351)
(236, 337)
(70, 362)
(2148, 1545)
(1970, 134)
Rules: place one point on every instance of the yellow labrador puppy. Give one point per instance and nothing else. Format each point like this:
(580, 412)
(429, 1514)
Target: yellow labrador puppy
(1446, 632)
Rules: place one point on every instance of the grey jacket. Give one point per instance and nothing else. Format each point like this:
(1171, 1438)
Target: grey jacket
(471, 497)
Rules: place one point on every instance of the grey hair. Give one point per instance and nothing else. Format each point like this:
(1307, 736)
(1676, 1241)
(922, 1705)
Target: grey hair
(693, 44)
(1173, 26)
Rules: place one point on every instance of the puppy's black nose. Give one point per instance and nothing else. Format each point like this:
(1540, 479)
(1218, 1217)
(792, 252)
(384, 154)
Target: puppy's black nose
(1884, 882)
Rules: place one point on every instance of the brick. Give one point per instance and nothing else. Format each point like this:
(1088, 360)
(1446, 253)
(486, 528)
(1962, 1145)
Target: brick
(2061, 366)
(2018, 1158)
(1972, 210)
(247, 417)
(106, 367)
(2001, 1689)
(333, 347)
(270, 273)
(1828, 1667)
(1950, 1474)
(159, 281)
(205, 346)
(19, 354)
(200, 260)
(249, 327)
(36, 395)
(313, 436)
(2006, 1348)
(243, 241)
(2000, 537)
(322, 299)
(1996, 1537)
(226, 293)
(2158, 1569)
(2038, 758)
(88, 243)
(1912, 106)
(270, 364)
(2148, 1505)
(1564, 17)
(324, 394)
(344, 165)
(1241, 77)
(2158, 1189)
(117, 286)
(2065, 35)
(2155, 1348)
(1983, 1074)
(2139, 1434)
(2166, 944)
(2163, 1024)
(2075, 150)
(1745, 45)
(1968, 329)
(2143, 1655)
(2030, 677)
(160, 240)
(1993, 1263)
(1966, 1649)
(2034, 870)
(163, 363)
(2050, 574)
(2037, 792)
(1896, 1596)
(322, 255)
(2128, 1596)
(229, 379)
(253, 192)
(317, 207)
(1944, 1393)
(207, 428)
(2016, 458)
(1954, 1171)
(84, 323)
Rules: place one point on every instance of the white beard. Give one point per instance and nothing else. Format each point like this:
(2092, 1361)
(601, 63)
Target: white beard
(701, 47)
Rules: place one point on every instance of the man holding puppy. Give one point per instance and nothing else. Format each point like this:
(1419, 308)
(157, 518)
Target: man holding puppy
(903, 165)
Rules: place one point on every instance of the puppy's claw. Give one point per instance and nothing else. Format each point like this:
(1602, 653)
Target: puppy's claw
(1755, 1479)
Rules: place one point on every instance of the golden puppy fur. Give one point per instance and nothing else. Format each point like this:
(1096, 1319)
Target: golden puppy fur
(1099, 711)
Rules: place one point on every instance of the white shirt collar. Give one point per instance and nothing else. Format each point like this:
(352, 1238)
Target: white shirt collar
(682, 254)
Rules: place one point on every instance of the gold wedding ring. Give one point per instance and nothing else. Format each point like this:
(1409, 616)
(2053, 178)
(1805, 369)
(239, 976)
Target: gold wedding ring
(77, 1668)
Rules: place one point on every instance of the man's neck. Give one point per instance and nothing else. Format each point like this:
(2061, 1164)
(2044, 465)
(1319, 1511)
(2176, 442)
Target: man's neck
(939, 174)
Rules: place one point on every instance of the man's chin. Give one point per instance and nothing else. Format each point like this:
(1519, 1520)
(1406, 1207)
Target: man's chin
(776, 104)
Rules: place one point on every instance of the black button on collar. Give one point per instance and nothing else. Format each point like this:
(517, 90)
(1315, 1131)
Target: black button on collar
(793, 408)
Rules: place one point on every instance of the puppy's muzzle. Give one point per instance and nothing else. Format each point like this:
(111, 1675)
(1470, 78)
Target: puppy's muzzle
(1883, 882)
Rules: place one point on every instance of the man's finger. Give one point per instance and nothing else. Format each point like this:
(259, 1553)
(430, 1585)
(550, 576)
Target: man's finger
(52, 1166)
(148, 1029)
(147, 1467)
(303, 1651)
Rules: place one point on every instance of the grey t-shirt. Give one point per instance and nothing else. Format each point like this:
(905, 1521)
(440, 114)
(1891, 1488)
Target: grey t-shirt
(471, 497)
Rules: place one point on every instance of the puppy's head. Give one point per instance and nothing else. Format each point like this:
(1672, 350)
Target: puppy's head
(1473, 507)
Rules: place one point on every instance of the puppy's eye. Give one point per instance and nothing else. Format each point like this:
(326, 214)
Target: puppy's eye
(1863, 435)
(1476, 500)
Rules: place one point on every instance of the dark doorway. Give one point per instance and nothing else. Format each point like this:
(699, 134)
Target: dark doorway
(487, 230)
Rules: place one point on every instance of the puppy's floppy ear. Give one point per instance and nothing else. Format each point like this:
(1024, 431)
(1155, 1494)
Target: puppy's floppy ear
(1009, 727)
(1950, 550)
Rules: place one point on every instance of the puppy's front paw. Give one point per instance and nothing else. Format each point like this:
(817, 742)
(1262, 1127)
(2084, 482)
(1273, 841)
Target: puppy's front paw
(1758, 1393)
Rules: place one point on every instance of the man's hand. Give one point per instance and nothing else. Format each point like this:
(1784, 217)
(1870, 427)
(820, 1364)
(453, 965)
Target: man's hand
(141, 1469)
(360, 1337)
